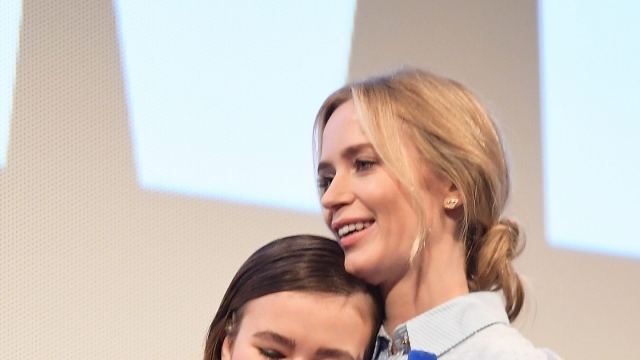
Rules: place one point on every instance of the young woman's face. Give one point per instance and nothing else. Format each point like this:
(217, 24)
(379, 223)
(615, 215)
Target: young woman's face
(366, 206)
(303, 326)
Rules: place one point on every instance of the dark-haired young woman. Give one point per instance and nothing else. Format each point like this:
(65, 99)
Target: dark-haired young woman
(293, 299)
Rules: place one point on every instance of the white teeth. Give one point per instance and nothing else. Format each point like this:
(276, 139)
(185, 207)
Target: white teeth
(345, 229)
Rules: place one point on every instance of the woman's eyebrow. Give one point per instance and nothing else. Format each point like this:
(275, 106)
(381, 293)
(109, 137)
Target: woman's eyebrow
(353, 150)
(331, 353)
(273, 336)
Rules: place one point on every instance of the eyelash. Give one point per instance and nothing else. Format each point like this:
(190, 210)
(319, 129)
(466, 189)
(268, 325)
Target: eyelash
(363, 165)
(359, 165)
(323, 183)
(271, 354)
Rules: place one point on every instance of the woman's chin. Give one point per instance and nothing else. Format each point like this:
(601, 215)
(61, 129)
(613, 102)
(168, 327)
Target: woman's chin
(358, 266)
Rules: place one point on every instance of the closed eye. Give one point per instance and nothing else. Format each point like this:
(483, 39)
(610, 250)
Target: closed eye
(271, 354)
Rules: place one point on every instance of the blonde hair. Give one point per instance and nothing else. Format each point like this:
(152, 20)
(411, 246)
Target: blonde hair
(452, 135)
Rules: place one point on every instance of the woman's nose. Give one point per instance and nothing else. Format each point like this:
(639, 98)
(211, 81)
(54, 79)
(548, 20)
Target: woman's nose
(337, 195)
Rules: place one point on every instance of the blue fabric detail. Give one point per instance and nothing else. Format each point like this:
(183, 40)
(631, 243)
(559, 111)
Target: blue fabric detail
(421, 355)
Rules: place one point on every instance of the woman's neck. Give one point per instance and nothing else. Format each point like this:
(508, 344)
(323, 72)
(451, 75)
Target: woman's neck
(436, 276)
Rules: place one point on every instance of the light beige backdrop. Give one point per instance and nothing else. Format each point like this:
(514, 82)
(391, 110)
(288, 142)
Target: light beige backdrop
(92, 266)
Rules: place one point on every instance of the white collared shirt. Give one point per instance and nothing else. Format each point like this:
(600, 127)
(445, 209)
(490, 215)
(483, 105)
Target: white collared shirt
(473, 326)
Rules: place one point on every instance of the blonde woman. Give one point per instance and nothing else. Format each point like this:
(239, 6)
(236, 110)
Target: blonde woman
(413, 183)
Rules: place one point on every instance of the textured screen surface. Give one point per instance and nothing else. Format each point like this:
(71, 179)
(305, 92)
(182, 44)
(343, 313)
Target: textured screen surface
(208, 94)
(590, 79)
(10, 13)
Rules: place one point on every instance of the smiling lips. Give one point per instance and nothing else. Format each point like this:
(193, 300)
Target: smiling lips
(348, 229)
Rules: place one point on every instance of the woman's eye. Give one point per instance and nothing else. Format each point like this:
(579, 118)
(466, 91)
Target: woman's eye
(363, 165)
(323, 183)
(271, 354)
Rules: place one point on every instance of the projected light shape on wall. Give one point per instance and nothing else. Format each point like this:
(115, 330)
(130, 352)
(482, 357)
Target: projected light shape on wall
(10, 14)
(222, 95)
(591, 128)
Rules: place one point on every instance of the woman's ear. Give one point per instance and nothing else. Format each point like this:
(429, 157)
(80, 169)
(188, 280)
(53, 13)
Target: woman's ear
(227, 345)
(452, 198)
(226, 350)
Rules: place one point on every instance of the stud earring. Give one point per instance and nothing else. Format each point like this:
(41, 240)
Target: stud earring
(451, 204)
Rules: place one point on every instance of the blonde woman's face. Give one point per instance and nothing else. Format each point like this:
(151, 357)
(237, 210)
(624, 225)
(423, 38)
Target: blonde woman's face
(367, 208)
(363, 204)
(302, 326)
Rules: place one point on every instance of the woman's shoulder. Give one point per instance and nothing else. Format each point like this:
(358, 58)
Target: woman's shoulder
(497, 342)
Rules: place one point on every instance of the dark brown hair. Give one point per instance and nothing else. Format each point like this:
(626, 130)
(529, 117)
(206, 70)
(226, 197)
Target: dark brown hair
(297, 263)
